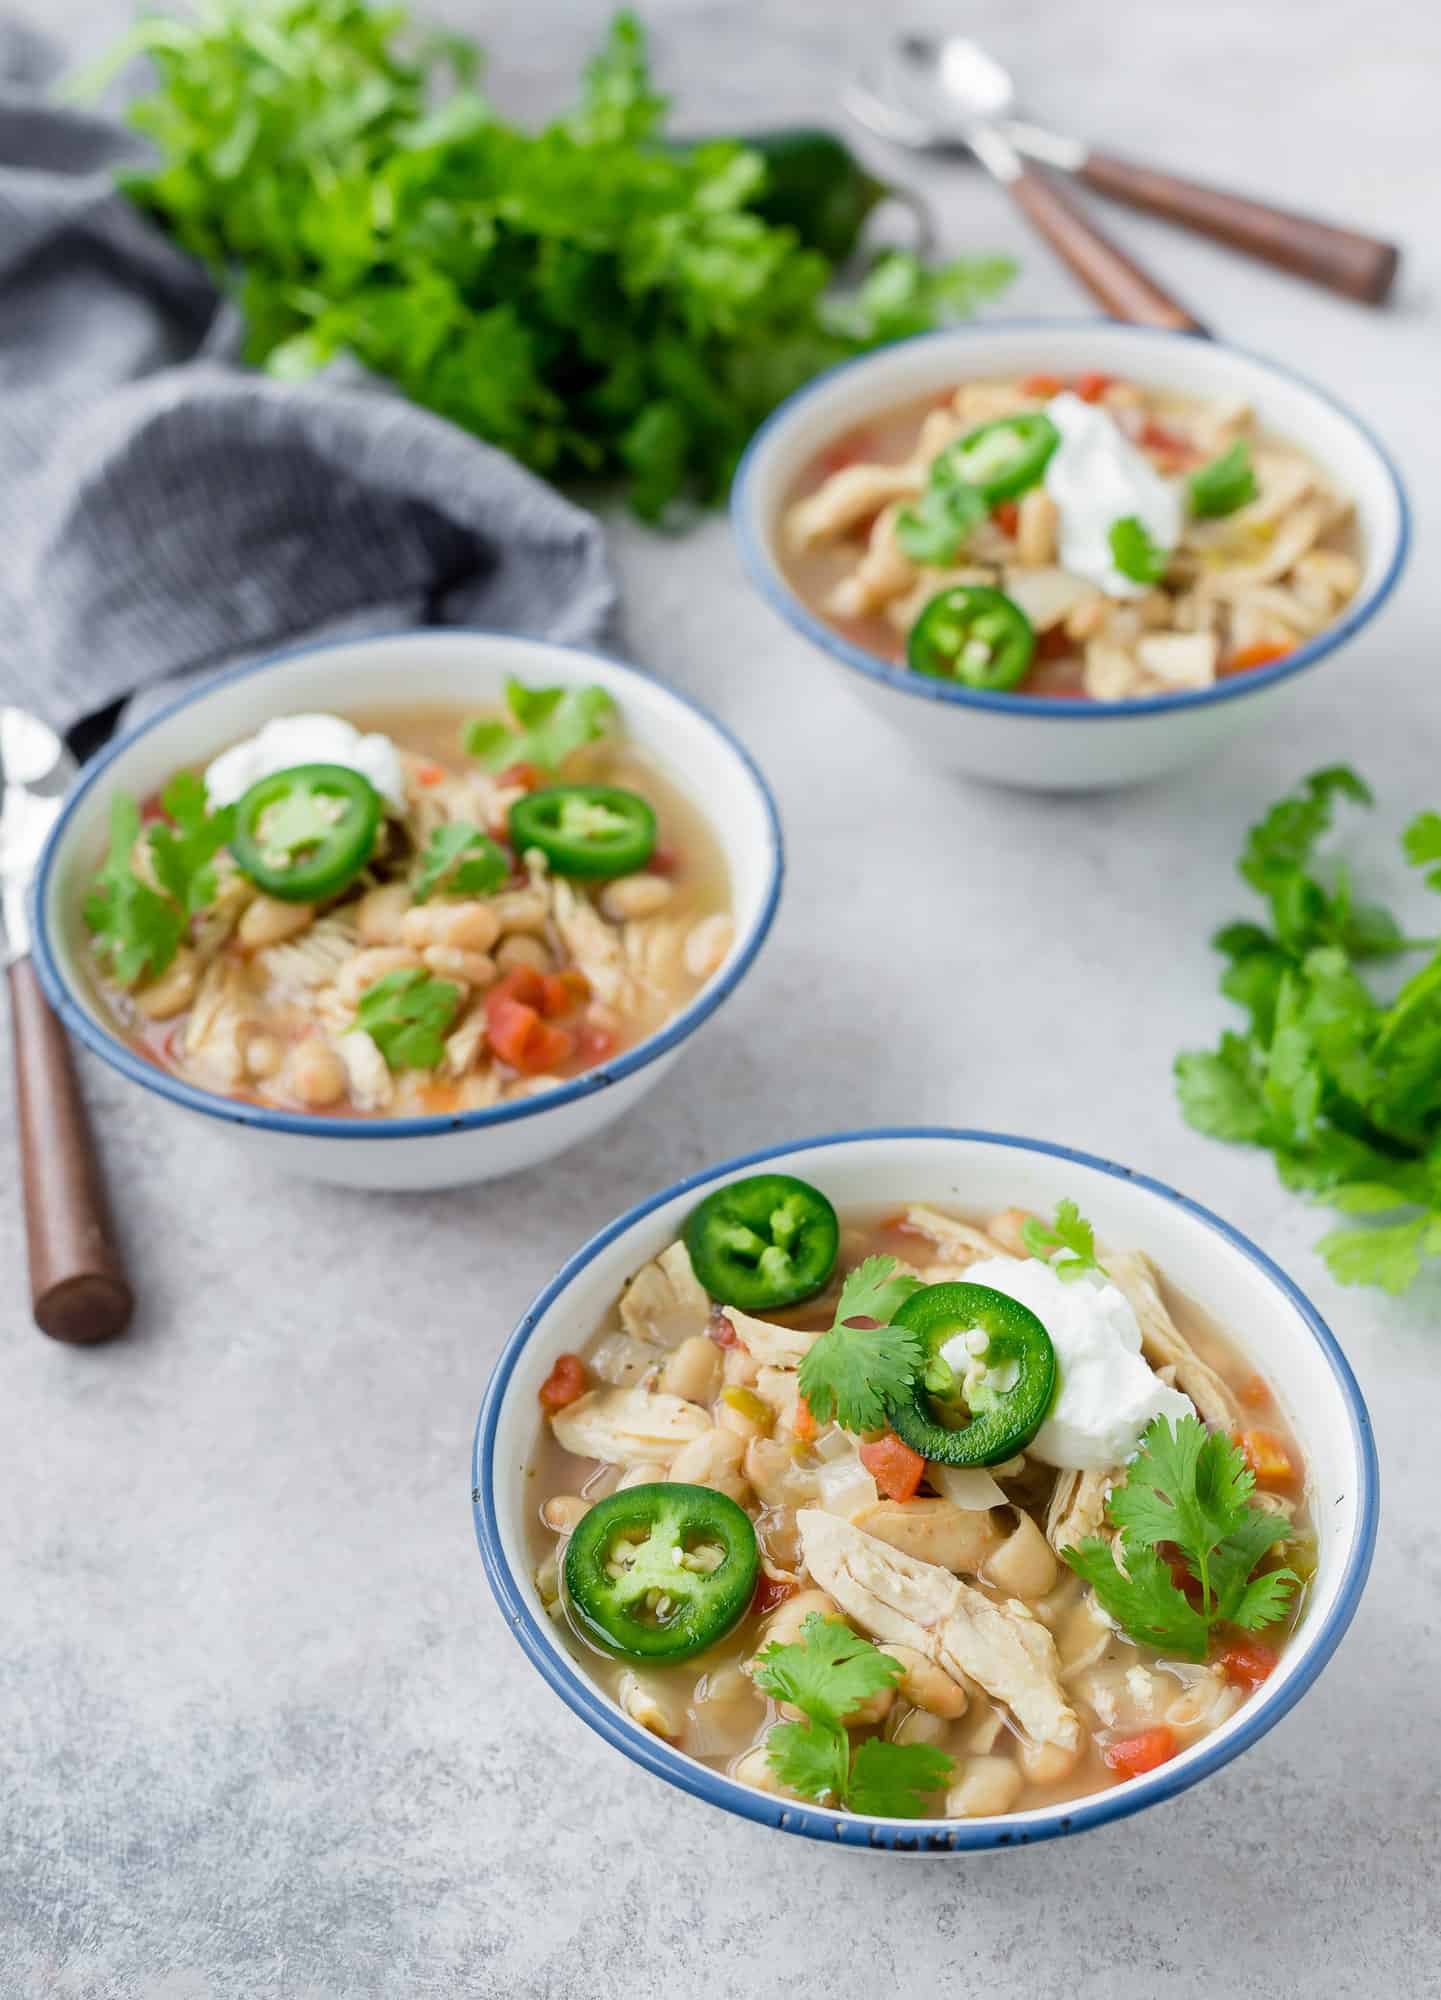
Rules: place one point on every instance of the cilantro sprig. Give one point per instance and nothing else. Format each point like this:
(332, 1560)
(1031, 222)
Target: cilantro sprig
(863, 1363)
(1227, 483)
(459, 860)
(1340, 1083)
(546, 726)
(828, 1676)
(1135, 552)
(1068, 1245)
(936, 529)
(592, 298)
(138, 924)
(1189, 1489)
(406, 1014)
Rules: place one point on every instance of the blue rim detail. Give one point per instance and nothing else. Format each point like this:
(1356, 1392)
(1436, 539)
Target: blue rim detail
(915, 1836)
(752, 541)
(80, 1023)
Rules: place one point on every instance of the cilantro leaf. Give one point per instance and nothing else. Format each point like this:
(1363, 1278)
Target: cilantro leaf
(1422, 845)
(406, 1014)
(895, 1780)
(862, 1363)
(184, 850)
(548, 724)
(829, 1675)
(1227, 483)
(459, 860)
(1189, 1489)
(137, 930)
(1070, 1233)
(936, 529)
(1135, 553)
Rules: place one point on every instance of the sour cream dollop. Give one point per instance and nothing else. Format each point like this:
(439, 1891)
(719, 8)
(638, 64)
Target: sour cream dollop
(306, 739)
(1097, 477)
(1106, 1393)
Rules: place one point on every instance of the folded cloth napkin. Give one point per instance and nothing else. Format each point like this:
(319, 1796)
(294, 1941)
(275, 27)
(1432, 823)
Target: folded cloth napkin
(165, 512)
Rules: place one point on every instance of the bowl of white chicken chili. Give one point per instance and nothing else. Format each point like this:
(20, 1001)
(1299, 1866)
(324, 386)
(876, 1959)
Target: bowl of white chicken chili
(1070, 555)
(409, 911)
(925, 1489)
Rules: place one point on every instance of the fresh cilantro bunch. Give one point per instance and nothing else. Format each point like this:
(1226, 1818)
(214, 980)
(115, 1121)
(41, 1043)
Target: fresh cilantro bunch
(406, 1014)
(140, 917)
(1342, 1085)
(828, 1676)
(459, 860)
(546, 725)
(1190, 1489)
(863, 1364)
(1070, 1235)
(588, 297)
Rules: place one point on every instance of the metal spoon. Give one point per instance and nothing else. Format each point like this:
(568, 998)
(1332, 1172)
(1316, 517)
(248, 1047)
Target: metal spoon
(965, 83)
(78, 1288)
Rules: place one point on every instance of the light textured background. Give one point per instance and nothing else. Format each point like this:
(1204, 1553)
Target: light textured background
(261, 1731)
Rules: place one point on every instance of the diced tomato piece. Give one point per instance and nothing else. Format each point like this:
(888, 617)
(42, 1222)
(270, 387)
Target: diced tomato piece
(521, 1038)
(769, 1592)
(564, 1384)
(430, 774)
(1247, 1662)
(527, 777)
(563, 992)
(151, 810)
(521, 983)
(1091, 387)
(439, 1098)
(595, 1044)
(896, 1469)
(1255, 1392)
(1042, 385)
(665, 861)
(1267, 1457)
(804, 1425)
(1135, 1755)
(1254, 656)
(1054, 644)
(1155, 437)
(1007, 516)
(721, 1329)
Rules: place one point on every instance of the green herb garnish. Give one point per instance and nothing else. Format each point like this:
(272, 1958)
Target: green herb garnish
(589, 297)
(1070, 1234)
(853, 1372)
(1344, 1088)
(828, 1676)
(936, 529)
(459, 860)
(1190, 1489)
(137, 931)
(185, 850)
(1135, 553)
(547, 725)
(1227, 483)
(406, 1014)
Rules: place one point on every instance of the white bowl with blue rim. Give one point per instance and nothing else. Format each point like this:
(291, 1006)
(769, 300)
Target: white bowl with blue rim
(1046, 743)
(1274, 1324)
(429, 667)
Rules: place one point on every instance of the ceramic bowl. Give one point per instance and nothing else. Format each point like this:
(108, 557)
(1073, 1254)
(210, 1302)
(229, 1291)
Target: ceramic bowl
(1204, 1257)
(430, 666)
(1045, 743)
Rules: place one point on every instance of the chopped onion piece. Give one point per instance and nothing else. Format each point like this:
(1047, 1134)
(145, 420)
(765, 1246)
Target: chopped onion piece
(968, 1486)
(622, 1361)
(844, 1486)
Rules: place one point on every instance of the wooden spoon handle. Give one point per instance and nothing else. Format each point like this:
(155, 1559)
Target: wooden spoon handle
(1112, 277)
(78, 1288)
(1361, 267)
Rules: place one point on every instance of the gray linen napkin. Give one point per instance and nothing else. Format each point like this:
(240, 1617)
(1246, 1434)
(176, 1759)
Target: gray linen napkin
(165, 512)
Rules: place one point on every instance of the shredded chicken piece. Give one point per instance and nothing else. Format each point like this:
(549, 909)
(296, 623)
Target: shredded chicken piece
(1047, 596)
(372, 1087)
(771, 1346)
(848, 497)
(1077, 1508)
(311, 960)
(961, 1242)
(897, 1598)
(883, 572)
(665, 1303)
(629, 1427)
(653, 949)
(592, 943)
(212, 1032)
(1163, 1343)
(1180, 659)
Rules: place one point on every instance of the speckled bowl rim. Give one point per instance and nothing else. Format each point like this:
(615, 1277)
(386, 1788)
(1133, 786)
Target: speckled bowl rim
(514, 1595)
(375, 1131)
(754, 542)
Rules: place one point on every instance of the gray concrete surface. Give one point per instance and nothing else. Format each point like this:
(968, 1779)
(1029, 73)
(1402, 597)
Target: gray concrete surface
(261, 1731)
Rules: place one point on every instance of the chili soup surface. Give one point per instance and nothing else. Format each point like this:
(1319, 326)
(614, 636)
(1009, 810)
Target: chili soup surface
(537, 979)
(1211, 594)
(675, 1394)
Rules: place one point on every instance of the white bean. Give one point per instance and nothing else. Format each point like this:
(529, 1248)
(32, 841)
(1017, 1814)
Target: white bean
(986, 1785)
(471, 968)
(173, 991)
(380, 912)
(692, 1370)
(634, 897)
(268, 921)
(707, 944)
(1023, 1566)
(317, 1074)
(520, 949)
(564, 1511)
